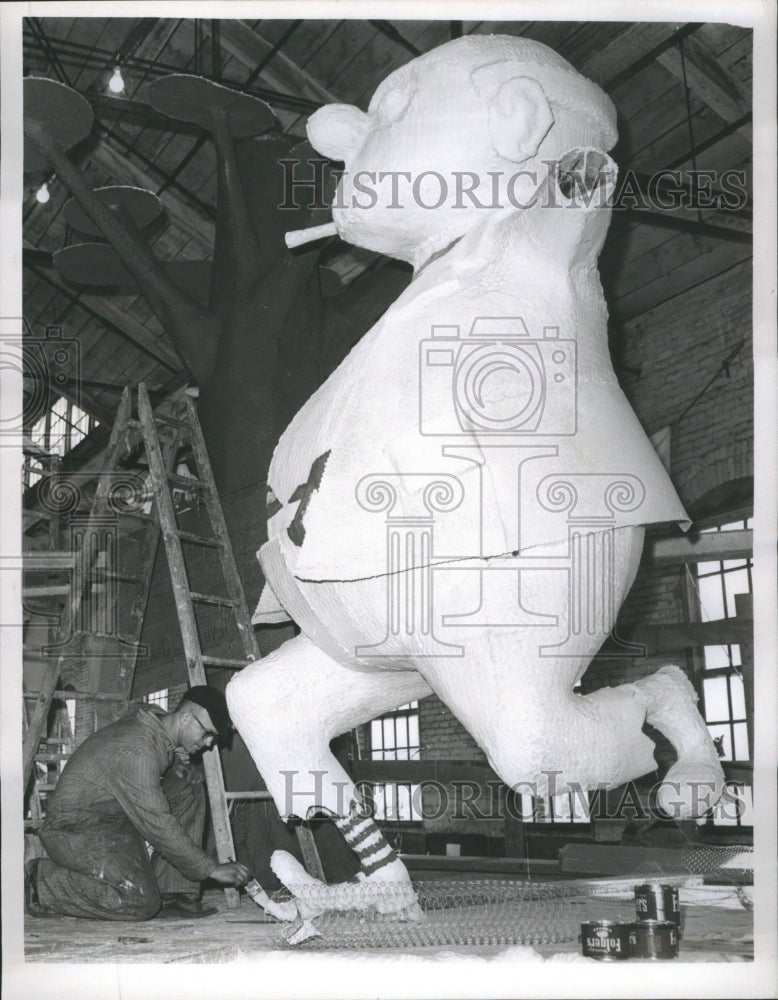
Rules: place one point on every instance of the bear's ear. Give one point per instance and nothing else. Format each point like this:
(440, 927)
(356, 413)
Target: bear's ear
(519, 112)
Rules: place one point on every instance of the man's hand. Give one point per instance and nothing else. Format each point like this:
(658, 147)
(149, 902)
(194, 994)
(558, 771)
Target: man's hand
(231, 873)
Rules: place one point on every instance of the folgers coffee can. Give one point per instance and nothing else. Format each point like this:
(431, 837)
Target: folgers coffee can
(658, 902)
(607, 940)
(656, 939)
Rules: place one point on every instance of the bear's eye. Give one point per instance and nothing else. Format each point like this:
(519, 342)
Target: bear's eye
(393, 105)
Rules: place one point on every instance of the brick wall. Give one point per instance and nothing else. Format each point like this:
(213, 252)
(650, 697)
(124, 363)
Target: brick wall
(449, 809)
(678, 347)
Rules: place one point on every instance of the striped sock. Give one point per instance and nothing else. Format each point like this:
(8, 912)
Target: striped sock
(366, 840)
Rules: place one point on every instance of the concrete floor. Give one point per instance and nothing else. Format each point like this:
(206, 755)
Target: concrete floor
(711, 933)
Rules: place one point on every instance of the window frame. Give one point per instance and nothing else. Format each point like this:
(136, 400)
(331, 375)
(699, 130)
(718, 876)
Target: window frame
(383, 792)
(737, 519)
(77, 423)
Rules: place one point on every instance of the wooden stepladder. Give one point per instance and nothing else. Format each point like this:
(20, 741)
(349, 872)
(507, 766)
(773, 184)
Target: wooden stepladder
(161, 437)
(233, 601)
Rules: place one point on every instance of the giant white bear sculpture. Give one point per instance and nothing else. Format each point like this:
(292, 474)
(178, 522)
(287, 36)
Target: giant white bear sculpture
(460, 508)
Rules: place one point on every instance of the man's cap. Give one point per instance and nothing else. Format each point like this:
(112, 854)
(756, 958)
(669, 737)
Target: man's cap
(214, 702)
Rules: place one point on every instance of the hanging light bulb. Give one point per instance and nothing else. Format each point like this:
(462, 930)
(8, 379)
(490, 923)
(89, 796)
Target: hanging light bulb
(42, 194)
(116, 83)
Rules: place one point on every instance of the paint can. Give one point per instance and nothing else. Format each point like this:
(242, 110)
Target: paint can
(606, 940)
(653, 939)
(658, 902)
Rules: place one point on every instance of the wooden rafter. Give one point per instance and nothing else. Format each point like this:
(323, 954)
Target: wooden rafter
(249, 48)
(708, 81)
(117, 319)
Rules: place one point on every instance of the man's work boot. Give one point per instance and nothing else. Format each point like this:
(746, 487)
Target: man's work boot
(180, 905)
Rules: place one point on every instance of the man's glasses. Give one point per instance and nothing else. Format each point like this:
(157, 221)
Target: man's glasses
(208, 734)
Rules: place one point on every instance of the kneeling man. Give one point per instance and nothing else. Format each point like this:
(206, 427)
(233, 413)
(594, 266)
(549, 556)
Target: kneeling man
(128, 784)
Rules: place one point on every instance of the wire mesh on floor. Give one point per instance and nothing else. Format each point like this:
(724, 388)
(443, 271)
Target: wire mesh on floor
(705, 875)
(479, 912)
(732, 864)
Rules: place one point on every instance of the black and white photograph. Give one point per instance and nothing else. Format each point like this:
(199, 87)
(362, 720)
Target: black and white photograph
(388, 464)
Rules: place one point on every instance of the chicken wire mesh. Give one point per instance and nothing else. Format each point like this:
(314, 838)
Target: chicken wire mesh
(478, 912)
(501, 913)
(731, 864)
(705, 875)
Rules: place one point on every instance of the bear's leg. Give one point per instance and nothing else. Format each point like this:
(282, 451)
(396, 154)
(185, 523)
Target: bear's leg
(287, 707)
(696, 780)
(512, 688)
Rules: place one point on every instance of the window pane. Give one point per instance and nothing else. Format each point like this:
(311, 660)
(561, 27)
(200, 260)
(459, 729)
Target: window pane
(716, 704)
(737, 693)
(722, 738)
(403, 802)
(747, 803)
(80, 420)
(379, 801)
(725, 813)
(735, 659)
(731, 526)
(413, 733)
(376, 738)
(706, 568)
(735, 583)
(715, 657)
(560, 808)
(711, 598)
(38, 432)
(733, 564)
(389, 734)
(581, 808)
(740, 730)
(416, 802)
(157, 698)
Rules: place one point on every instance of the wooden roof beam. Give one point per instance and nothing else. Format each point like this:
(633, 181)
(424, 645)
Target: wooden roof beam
(123, 171)
(249, 48)
(84, 401)
(116, 319)
(626, 50)
(708, 81)
(707, 546)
